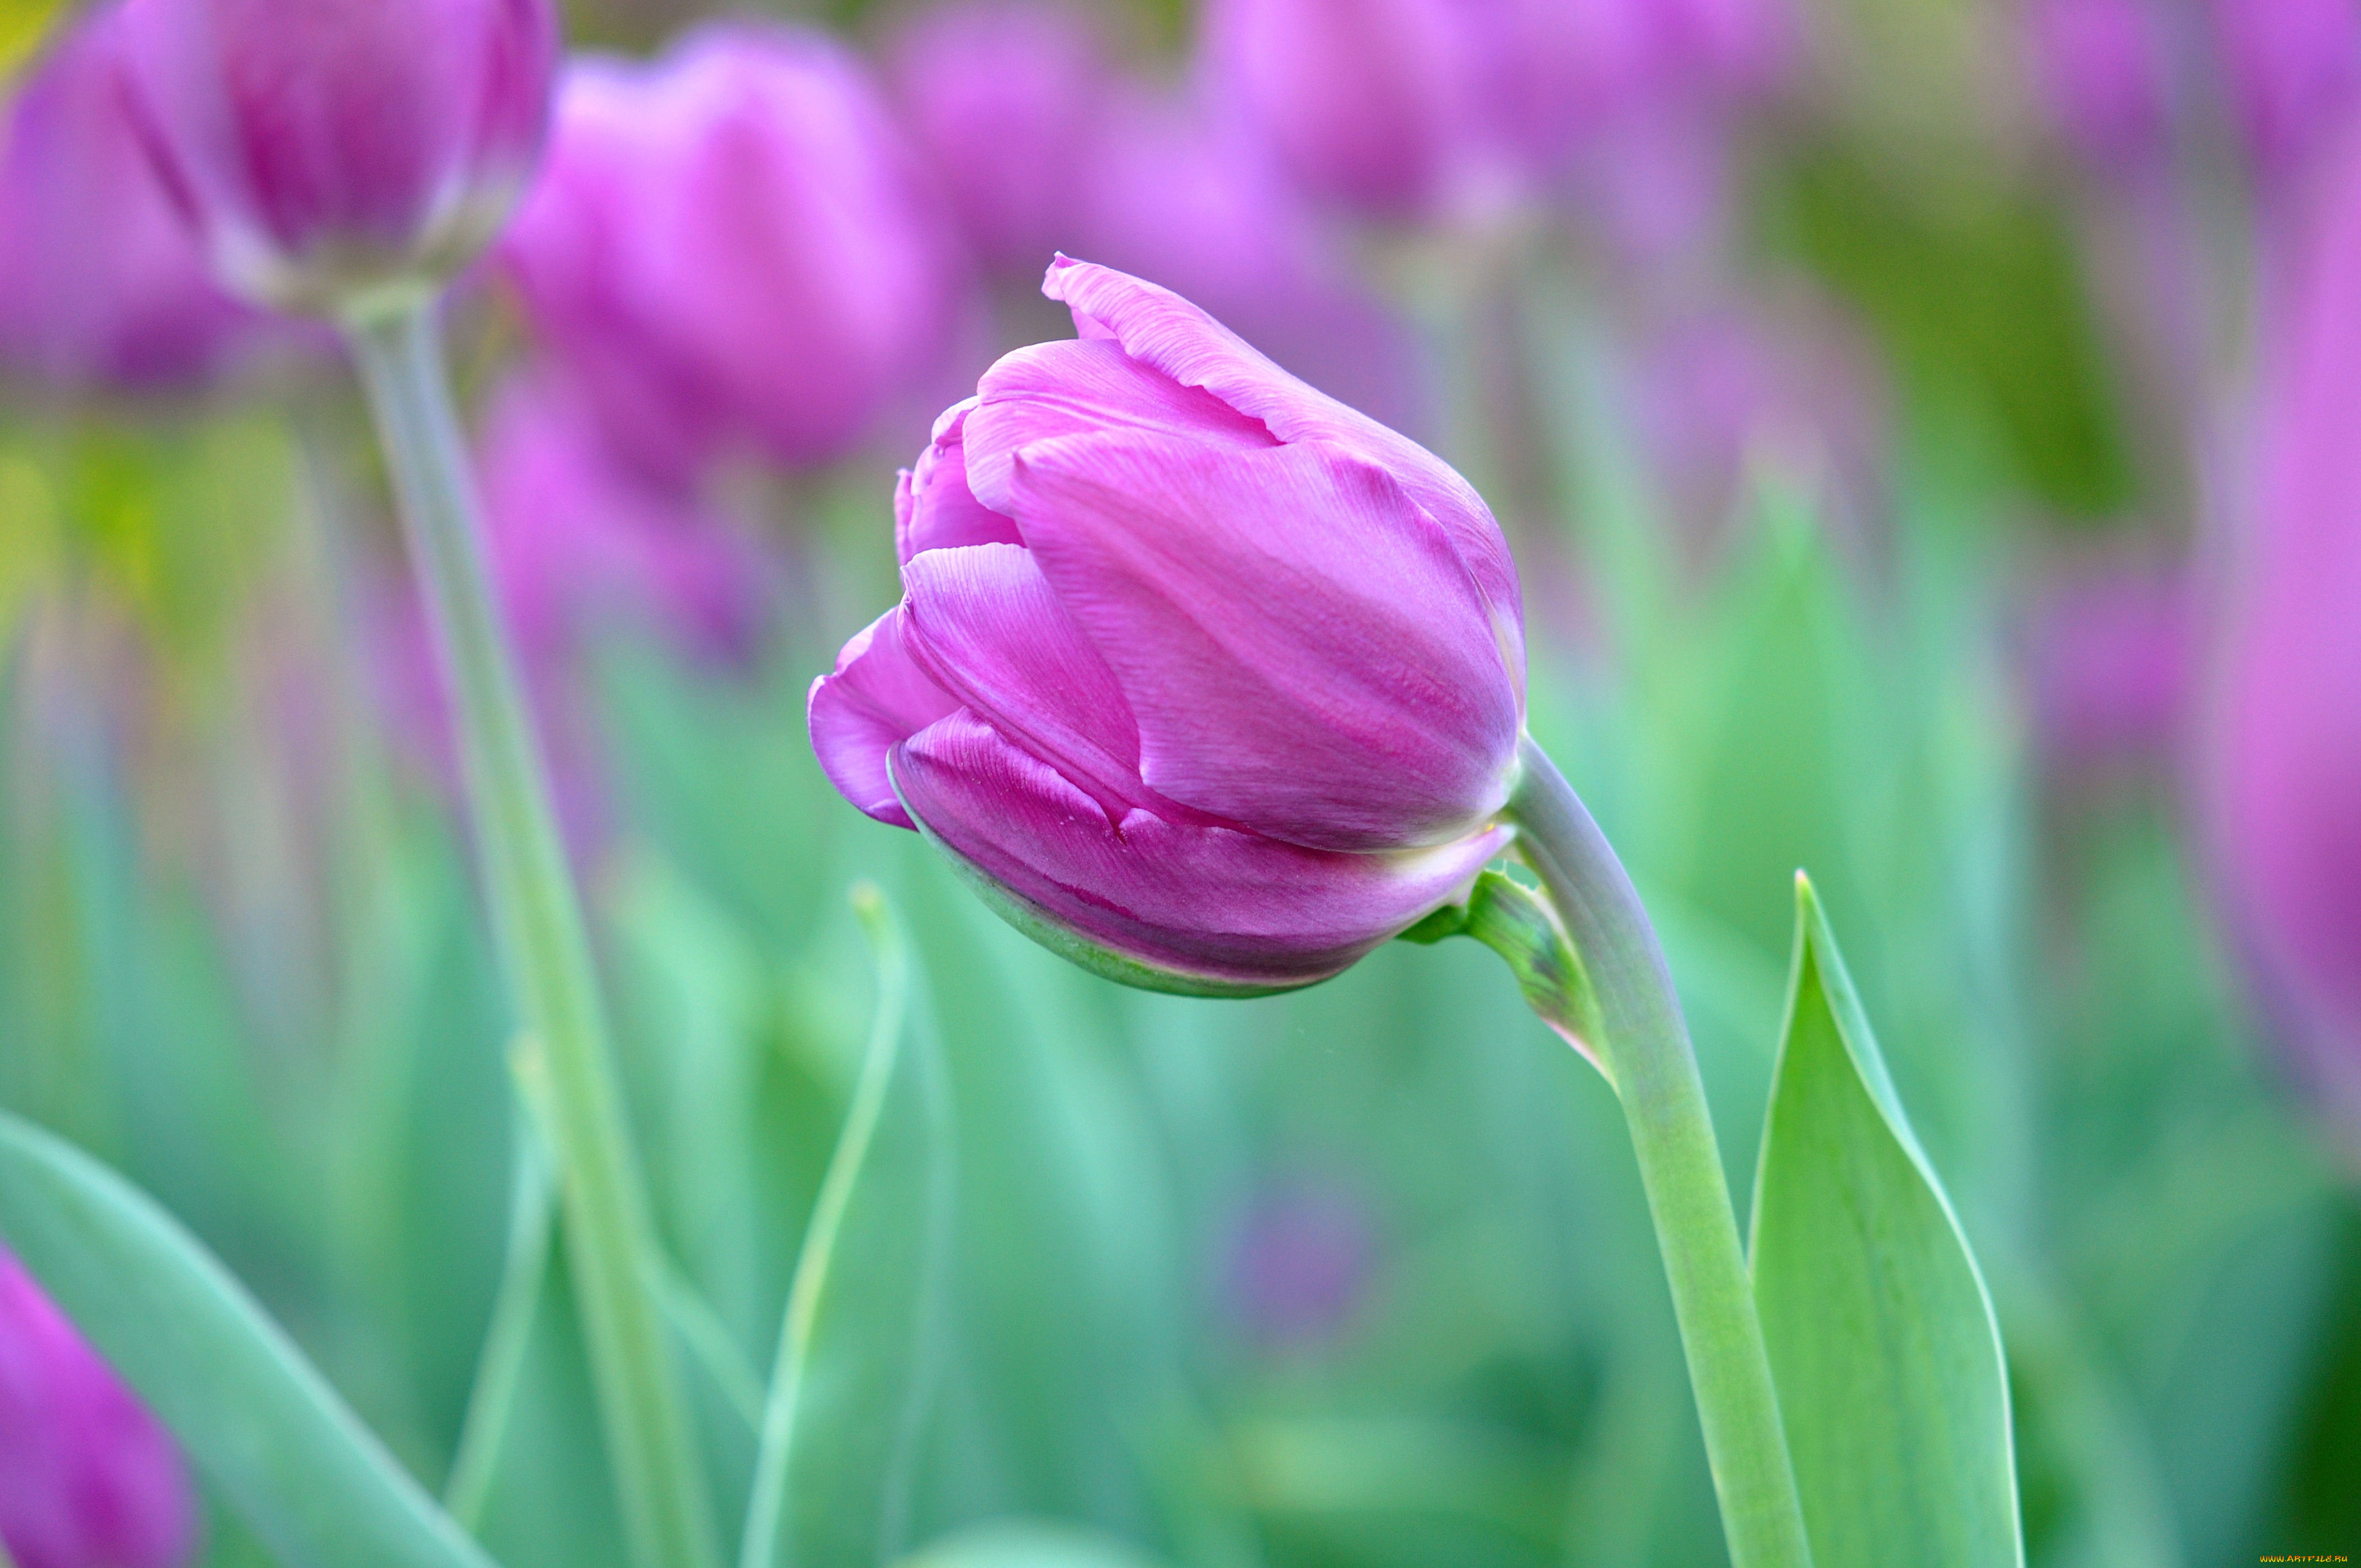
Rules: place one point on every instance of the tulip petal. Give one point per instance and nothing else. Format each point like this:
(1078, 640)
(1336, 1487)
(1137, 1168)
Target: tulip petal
(1162, 330)
(876, 698)
(933, 510)
(1079, 387)
(1204, 908)
(985, 624)
(1304, 652)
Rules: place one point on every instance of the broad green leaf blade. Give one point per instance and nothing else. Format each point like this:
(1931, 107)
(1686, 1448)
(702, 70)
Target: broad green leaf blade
(1028, 1543)
(857, 1350)
(1883, 1341)
(266, 1429)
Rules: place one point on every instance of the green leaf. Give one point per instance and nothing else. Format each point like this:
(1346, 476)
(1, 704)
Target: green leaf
(1028, 1543)
(1515, 922)
(1892, 1382)
(258, 1420)
(857, 1350)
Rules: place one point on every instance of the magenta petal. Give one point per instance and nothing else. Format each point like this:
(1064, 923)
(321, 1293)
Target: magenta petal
(1208, 902)
(934, 509)
(876, 698)
(1076, 388)
(1304, 652)
(983, 623)
(1160, 329)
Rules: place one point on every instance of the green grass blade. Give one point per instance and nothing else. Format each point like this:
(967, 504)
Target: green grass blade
(264, 1427)
(855, 1355)
(1027, 1544)
(1891, 1381)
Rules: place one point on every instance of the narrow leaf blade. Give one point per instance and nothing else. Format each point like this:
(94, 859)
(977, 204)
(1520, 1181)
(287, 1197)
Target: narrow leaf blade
(857, 1354)
(1027, 1543)
(254, 1415)
(1891, 1381)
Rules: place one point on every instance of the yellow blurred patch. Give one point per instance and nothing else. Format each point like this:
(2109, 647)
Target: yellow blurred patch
(23, 23)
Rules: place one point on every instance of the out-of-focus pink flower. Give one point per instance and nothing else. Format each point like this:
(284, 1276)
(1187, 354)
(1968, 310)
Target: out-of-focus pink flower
(100, 283)
(88, 1479)
(581, 542)
(1007, 98)
(2294, 70)
(580, 538)
(1177, 194)
(1720, 389)
(1210, 683)
(1435, 109)
(330, 150)
(1301, 1263)
(2110, 653)
(734, 245)
(2100, 68)
(2284, 748)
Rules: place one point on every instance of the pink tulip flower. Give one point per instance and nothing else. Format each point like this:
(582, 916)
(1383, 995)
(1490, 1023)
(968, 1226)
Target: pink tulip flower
(99, 284)
(2294, 70)
(1210, 683)
(88, 1479)
(1006, 98)
(2098, 67)
(2284, 749)
(330, 150)
(735, 246)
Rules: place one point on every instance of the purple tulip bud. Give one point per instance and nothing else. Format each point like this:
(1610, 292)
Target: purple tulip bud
(1006, 97)
(2284, 751)
(735, 244)
(1177, 193)
(2294, 67)
(88, 1479)
(1365, 102)
(2098, 68)
(1209, 682)
(328, 151)
(99, 280)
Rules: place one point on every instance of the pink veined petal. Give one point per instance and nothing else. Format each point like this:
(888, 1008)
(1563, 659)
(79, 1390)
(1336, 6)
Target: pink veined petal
(1209, 901)
(1078, 387)
(1162, 330)
(1304, 652)
(933, 509)
(985, 624)
(876, 697)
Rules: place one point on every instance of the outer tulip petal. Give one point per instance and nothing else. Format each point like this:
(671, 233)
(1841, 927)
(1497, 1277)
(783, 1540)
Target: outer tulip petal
(934, 509)
(985, 624)
(1304, 652)
(1076, 387)
(1160, 329)
(1208, 907)
(876, 698)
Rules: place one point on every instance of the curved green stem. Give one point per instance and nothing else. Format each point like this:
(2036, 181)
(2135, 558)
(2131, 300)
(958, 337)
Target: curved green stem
(1644, 1048)
(544, 947)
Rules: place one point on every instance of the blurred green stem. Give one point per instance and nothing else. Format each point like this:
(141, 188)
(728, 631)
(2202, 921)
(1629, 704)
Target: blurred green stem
(544, 947)
(1644, 1048)
(499, 1368)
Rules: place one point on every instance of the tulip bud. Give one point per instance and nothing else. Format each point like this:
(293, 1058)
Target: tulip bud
(332, 152)
(2294, 68)
(734, 245)
(88, 1479)
(2098, 68)
(99, 280)
(2284, 748)
(1207, 681)
(1005, 98)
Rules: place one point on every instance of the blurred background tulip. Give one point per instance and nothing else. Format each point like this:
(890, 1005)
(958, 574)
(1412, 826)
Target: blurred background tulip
(100, 283)
(87, 1478)
(325, 150)
(735, 246)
